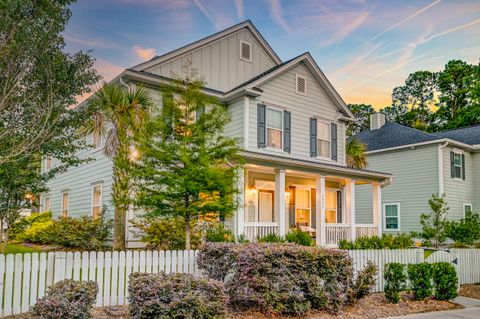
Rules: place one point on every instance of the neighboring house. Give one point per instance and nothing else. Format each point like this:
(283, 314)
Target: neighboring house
(291, 124)
(423, 164)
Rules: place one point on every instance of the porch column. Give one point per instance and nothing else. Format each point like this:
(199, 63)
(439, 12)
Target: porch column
(350, 203)
(280, 201)
(377, 207)
(239, 219)
(321, 238)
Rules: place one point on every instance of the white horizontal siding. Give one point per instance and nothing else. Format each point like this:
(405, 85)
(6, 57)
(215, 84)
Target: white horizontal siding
(280, 91)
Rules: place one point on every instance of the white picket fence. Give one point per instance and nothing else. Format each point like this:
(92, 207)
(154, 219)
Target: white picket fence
(25, 277)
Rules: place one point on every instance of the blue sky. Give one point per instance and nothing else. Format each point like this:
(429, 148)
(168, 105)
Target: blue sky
(364, 47)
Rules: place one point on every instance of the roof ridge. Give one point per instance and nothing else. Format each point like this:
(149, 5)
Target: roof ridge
(458, 128)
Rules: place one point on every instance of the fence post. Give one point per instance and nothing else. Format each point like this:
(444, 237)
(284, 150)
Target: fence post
(420, 255)
(60, 264)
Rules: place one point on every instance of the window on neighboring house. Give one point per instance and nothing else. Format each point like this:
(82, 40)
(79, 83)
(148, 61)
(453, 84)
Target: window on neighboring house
(48, 163)
(96, 200)
(323, 139)
(46, 204)
(97, 139)
(301, 85)
(245, 51)
(391, 213)
(274, 128)
(467, 208)
(65, 204)
(457, 163)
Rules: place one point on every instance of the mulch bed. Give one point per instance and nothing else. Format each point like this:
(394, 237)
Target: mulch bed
(373, 306)
(471, 291)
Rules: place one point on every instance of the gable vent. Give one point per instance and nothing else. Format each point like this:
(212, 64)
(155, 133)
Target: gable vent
(301, 85)
(245, 51)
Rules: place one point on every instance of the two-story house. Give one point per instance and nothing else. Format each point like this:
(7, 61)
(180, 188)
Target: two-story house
(423, 164)
(291, 124)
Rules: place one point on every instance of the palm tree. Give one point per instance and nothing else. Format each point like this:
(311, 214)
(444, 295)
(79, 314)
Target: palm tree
(356, 157)
(119, 114)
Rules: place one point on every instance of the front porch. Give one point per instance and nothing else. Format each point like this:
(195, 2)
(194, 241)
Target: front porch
(272, 200)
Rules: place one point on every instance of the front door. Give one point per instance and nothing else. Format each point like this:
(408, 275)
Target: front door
(302, 207)
(265, 206)
(333, 206)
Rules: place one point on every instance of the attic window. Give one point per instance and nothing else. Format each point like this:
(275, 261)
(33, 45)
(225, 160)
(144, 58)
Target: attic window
(245, 51)
(301, 85)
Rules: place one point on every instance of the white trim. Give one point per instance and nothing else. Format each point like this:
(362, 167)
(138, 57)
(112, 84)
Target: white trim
(246, 122)
(241, 51)
(465, 205)
(93, 185)
(385, 216)
(456, 152)
(298, 76)
(329, 157)
(62, 209)
(440, 167)
(442, 140)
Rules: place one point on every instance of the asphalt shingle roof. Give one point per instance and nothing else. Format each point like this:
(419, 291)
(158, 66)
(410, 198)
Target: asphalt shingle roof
(393, 135)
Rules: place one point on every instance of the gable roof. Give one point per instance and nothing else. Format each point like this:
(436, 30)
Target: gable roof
(211, 38)
(393, 135)
(311, 66)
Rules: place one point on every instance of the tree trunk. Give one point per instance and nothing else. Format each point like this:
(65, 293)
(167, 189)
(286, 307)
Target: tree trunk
(119, 225)
(187, 235)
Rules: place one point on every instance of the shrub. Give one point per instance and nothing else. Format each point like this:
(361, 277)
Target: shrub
(420, 276)
(386, 241)
(445, 281)
(67, 299)
(18, 229)
(167, 233)
(464, 231)
(395, 279)
(299, 237)
(217, 233)
(283, 278)
(271, 238)
(365, 281)
(175, 296)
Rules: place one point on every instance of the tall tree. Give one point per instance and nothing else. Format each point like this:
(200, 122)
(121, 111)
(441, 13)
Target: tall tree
(417, 96)
(362, 113)
(119, 114)
(38, 80)
(186, 165)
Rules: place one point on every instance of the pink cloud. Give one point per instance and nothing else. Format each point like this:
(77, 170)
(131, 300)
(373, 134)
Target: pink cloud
(143, 53)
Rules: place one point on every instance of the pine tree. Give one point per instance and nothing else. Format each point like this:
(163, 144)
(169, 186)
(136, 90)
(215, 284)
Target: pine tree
(185, 168)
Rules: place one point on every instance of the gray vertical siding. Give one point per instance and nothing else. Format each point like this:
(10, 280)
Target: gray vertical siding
(476, 181)
(280, 92)
(219, 62)
(415, 180)
(457, 191)
(235, 127)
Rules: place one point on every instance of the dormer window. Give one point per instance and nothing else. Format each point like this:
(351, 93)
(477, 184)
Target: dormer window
(301, 85)
(245, 51)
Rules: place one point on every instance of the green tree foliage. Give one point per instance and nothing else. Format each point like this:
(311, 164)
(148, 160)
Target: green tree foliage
(119, 114)
(395, 281)
(38, 80)
(185, 168)
(355, 154)
(466, 231)
(362, 113)
(434, 224)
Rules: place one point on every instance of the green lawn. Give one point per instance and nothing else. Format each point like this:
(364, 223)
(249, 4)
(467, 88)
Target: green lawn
(13, 248)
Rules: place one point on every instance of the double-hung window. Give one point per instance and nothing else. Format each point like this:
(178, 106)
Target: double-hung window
(323, 139)
(457, 165)
(65, 204)
(96, 200)
(467, 208)
(274, 128)
(391, 213)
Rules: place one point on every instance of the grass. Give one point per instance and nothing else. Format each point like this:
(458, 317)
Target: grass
(15, 248)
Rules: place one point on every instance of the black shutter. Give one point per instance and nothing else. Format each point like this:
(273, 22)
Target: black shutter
(463, 166)
(313, 206)
(452, 164)
(339, 207)
(334, 141)
(287, 121)
(313, 137)
(261, 125)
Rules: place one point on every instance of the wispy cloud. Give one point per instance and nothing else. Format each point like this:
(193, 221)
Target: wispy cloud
(143, 53)
(277, 14)
(239, 8)
(219, 13)
(90, 42)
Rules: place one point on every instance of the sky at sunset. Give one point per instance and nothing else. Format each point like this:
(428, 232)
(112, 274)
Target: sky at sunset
(365, 47)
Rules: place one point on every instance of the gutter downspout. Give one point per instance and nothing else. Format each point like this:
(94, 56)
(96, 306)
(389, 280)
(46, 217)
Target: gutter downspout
(440, 167)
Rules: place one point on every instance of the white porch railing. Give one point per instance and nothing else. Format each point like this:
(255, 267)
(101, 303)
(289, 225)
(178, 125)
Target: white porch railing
(366, 230)
(260, 229)
(336, 232)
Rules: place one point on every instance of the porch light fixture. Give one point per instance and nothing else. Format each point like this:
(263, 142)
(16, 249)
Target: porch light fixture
(252, 191)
